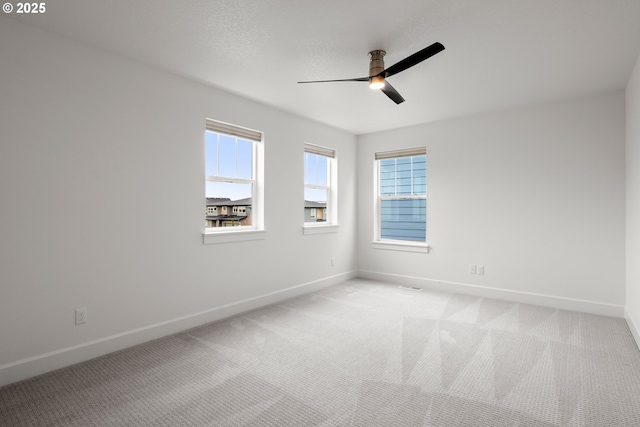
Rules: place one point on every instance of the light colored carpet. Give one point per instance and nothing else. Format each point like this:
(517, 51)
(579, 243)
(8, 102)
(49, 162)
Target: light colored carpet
(362, 353)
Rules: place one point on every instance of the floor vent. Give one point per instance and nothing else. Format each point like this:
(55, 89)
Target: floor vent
(411, 288)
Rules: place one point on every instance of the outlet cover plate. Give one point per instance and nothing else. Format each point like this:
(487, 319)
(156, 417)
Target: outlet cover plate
(81, 316)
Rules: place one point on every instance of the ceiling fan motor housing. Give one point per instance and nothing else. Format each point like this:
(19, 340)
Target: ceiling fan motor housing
(376, 64)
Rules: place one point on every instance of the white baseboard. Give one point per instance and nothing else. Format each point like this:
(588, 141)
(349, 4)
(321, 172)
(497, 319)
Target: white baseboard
(562, 303)
(42, 363)
(633, 326)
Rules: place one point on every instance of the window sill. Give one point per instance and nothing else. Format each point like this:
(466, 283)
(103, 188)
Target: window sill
(396, 245)
(319, 229)
(233, 236)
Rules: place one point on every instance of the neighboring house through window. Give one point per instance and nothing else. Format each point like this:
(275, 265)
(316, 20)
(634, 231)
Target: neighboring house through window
(320, 190)
(401, 202)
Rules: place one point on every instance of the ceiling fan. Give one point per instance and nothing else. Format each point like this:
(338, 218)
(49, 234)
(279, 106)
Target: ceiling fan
(378, 74)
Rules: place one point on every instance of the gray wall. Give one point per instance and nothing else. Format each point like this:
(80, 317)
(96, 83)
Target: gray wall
(535, 195)
(633, 202)
(102, 200)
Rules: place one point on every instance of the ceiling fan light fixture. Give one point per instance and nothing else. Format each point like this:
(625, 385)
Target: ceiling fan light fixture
(376, 82)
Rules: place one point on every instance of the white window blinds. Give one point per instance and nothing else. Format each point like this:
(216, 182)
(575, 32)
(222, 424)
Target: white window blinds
(322, 151)
(408, 152)
(232, 130)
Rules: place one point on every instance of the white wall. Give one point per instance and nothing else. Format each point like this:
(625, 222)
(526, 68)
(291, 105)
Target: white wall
(536, 196)
(633, 202)
(102, 203)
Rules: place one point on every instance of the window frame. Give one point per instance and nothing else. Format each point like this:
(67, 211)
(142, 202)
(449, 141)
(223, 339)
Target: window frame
(255, 231)
(395, 244)
(331, 223)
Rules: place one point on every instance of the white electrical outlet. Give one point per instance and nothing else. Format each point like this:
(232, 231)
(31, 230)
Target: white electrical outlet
(472, 269)
(481, 270)
(81, 315)
(333, 262)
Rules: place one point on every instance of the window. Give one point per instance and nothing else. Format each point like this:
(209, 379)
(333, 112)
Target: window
(233, 172)
(320, 195)
(401, 202)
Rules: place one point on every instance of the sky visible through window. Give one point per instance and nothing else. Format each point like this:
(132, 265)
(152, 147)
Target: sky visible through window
(315, 173)
(228, 157)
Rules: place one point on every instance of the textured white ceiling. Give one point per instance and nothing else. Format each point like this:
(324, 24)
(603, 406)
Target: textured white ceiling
(499, 53)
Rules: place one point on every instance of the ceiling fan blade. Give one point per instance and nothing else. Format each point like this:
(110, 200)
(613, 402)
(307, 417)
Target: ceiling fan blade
(392, 93)
(359, 79)
(414, 59)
